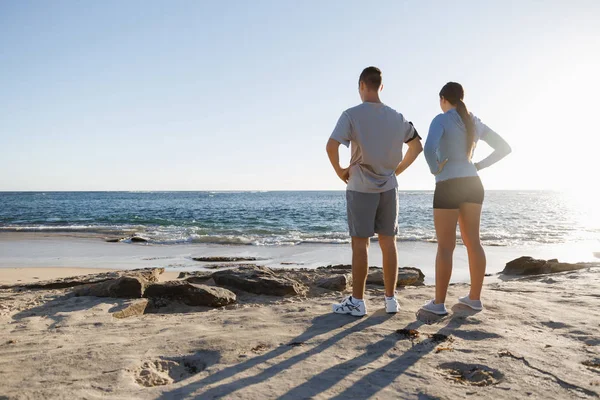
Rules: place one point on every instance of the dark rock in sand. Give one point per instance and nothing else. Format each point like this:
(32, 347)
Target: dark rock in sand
(147, 274)
(223, 266)
(339, 283)
(407, 276)
(191, 294)
(224, 259)
(526, 266)
(133, 309)
(196, 276)
(138, 239)
(420, 281)
(530, 266)
(337, 267)
(563, 267)
(114, 240)
(258, 280)
(126, 287)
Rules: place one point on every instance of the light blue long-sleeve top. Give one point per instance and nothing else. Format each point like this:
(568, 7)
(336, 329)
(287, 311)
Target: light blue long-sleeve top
(447, 139)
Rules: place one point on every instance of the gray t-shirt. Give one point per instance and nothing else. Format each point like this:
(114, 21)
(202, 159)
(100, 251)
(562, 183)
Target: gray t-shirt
(377, 133)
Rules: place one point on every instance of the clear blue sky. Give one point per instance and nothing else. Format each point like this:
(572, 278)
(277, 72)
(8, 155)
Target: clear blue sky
(198, 95)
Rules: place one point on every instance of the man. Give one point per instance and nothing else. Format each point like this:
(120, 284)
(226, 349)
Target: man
(377, 133)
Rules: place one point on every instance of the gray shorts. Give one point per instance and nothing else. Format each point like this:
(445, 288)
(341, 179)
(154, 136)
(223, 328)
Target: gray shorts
(371, 213)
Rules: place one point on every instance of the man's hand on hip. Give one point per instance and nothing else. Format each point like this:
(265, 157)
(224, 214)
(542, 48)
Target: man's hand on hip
(344, 174)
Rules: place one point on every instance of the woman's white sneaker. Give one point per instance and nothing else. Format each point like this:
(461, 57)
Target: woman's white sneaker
(391, 305)
(476, 305)
(438, 309)
(350, 306)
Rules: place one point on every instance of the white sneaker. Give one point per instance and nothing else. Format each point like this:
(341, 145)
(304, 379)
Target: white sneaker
(476, 305)
(438, 309)
(350, 306)
(391, 305)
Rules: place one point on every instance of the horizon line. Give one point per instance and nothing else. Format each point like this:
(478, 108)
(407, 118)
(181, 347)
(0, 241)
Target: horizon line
(252, 190)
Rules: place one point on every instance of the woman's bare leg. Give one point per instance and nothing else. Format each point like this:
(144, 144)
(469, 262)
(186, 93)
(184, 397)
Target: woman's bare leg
(445, 229)
(469, 220)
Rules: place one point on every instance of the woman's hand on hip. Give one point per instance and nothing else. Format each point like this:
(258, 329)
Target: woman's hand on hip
(441, 167)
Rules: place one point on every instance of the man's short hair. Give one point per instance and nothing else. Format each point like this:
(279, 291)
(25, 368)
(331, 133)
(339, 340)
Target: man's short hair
(371, 76)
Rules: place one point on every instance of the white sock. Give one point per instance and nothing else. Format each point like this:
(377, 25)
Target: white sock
(354, 299)
(390, 298)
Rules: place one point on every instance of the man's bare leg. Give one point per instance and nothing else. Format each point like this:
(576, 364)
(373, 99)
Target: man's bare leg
(390, 263)
(360, 266)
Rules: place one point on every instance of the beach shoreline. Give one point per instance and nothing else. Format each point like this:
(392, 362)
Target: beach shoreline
(51, 250)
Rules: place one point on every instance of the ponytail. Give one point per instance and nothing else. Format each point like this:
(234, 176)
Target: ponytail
(454, 93)
(461, 108)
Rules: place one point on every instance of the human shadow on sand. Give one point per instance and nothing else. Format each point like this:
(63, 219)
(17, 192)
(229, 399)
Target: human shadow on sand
(367, 386)
(61, 306)
(320, 325)
(328, 378)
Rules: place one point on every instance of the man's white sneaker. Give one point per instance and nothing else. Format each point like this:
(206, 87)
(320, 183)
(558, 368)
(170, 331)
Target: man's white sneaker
(350, 306)
(391, 305)
(438, 309)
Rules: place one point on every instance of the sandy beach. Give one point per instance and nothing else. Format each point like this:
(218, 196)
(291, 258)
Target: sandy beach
(14, 276)
(537, 338)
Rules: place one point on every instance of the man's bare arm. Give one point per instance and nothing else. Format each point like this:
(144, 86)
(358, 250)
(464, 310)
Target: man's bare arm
(334, 157)
(415, 147)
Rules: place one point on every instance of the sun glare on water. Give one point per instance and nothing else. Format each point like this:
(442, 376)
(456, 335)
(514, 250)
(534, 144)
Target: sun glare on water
(585, 215)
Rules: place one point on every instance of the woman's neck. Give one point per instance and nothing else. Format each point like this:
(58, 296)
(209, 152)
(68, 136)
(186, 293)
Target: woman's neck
(450, 109)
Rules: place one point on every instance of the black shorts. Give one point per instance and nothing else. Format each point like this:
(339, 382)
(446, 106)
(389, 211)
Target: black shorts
(452, 193)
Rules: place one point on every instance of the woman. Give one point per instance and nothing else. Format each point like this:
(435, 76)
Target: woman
(458, 192)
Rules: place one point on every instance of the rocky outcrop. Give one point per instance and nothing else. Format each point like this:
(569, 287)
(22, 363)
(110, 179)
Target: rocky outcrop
(125, 287)
(530, 266)
(420, 280)
(138, 239)
(195, 276)
(146, 274)
(345, 267)
(407, 276)
(223, 266)
(191, 294)
(259, 280)
(340, 283)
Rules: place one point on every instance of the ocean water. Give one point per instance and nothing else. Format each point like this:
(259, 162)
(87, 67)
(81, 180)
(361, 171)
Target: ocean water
(287, 218)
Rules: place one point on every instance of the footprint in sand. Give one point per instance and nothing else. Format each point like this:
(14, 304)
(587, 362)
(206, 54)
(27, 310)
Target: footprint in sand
(165, 370)
(471, 374)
